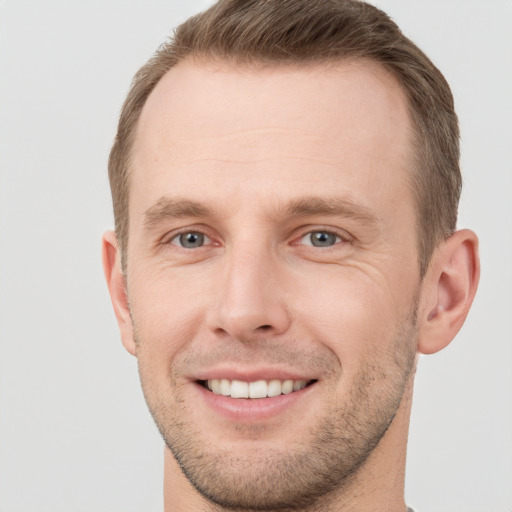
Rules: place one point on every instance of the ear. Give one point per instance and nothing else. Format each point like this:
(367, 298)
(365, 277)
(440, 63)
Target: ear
(116, 283)
(448, 291)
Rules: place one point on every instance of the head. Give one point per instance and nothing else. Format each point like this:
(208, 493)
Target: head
(301, 33)
(285, 183)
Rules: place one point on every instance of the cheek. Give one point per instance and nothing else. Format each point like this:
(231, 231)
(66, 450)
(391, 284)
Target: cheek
(354, 315)
(167, 312)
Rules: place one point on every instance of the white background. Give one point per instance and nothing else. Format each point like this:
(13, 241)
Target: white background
(75, 435)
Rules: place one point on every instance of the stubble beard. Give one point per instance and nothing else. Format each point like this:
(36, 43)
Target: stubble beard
(336, 448)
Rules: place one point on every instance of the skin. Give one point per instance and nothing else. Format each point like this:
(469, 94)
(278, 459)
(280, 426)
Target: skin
(256, 159)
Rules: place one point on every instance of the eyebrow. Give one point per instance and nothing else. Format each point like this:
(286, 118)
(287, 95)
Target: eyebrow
(167, 208)
(335, 206)
(172, 208)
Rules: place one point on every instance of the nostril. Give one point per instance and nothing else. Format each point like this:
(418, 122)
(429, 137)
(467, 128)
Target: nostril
(265, 327)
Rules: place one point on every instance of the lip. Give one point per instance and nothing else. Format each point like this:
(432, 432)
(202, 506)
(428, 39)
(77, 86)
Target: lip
(251, 410)
(251, 375)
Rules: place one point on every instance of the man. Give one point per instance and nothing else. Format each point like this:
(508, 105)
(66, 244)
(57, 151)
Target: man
(285, 183)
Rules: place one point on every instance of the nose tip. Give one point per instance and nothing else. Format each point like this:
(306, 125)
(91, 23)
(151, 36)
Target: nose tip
(250, 302)
(250, 324)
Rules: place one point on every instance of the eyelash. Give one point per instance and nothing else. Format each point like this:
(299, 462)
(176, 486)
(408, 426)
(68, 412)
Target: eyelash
(330, 233)
(343, 239)
(340, 238)
(175, 236)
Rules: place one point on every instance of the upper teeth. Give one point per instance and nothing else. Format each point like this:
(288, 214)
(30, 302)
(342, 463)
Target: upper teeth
(257, 389)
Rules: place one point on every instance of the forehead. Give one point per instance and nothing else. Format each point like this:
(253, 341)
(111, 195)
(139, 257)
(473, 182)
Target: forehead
(217, 124)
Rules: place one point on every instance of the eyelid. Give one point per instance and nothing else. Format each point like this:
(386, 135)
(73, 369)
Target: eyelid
(307, 240)
(342, 234)
(206, 239)
(168, 238)
(302, 232)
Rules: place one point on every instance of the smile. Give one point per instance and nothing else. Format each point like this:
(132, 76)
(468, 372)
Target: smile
(255, 389)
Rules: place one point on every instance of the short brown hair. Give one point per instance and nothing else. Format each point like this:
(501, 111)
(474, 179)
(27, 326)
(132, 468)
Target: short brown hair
(312, 31)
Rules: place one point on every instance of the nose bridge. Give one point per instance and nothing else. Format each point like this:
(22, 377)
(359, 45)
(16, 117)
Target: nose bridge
(250, 299)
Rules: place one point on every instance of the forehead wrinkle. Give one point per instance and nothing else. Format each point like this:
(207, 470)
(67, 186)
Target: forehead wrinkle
(241, 133)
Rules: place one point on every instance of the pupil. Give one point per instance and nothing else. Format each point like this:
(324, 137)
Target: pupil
(190, 240)
(323, 239)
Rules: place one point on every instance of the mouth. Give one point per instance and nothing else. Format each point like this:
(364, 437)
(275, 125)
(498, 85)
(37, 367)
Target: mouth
(255, 389)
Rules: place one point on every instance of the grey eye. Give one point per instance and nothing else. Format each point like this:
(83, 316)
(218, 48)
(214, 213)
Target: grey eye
(190, 240)
(320, 239)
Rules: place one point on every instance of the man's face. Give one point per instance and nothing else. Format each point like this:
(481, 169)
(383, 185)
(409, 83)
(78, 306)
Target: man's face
(272, 248)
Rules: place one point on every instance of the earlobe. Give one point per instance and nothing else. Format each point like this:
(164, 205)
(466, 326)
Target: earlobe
(117, 287)
(448, 291)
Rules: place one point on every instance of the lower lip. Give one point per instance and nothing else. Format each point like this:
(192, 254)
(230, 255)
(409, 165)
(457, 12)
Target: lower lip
(249, 410)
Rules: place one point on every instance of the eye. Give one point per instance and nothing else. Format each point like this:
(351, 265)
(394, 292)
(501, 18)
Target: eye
(321, 239)
(190, 240)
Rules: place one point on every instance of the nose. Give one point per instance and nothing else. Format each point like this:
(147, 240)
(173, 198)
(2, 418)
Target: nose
(250, 303)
